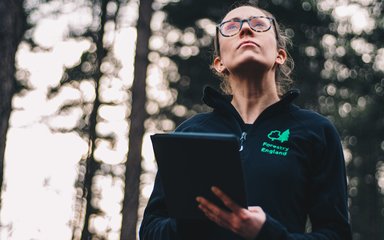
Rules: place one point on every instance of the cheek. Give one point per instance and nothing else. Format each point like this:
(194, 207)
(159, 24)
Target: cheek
(271, 48)
(226, 50)
(273, 44)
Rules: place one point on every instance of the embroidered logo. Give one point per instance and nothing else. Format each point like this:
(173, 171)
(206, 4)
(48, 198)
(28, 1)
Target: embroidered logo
(273, 148)
(277, 135)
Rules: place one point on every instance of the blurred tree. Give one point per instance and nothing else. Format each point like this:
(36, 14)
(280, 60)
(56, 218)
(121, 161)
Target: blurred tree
(91, 164)
(96, 67)
(352, 96)
(137, 118)
(12, 27)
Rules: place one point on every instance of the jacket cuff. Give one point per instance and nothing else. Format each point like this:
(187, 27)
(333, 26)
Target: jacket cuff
(271, 230)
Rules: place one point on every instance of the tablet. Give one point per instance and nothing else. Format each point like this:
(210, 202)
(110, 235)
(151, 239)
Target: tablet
(189, 164)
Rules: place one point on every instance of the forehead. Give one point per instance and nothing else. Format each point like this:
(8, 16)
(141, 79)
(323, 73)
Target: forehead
(243, 12)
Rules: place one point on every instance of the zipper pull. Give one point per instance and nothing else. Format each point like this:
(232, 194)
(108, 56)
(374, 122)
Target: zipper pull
(242, 139)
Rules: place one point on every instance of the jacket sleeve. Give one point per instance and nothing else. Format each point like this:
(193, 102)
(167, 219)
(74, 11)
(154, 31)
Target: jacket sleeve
(327, 195)
(156, 224)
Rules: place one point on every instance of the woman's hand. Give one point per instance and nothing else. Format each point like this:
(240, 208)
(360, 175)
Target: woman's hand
(244, 222)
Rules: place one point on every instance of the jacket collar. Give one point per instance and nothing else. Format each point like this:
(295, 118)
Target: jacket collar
(216, 100)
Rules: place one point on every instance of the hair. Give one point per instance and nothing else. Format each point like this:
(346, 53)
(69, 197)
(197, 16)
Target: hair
(283, 71)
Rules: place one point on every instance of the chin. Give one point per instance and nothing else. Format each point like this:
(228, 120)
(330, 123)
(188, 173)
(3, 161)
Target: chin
(252, 62)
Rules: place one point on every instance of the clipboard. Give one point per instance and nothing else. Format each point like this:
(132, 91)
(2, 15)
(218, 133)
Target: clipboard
(189, 164)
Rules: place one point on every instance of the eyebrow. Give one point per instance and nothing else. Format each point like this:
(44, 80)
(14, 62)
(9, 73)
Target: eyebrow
(235, 18)
(238, 18)
(232, 19)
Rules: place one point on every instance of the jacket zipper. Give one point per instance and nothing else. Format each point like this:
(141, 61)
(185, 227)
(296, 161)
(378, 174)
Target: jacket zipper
(242, 139)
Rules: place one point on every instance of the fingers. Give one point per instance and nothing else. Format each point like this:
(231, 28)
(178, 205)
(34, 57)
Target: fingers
(244, 222)
(226, 200)
(207, 206)
(213, 212)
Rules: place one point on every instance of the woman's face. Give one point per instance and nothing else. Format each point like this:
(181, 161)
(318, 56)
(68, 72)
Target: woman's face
(248, 50)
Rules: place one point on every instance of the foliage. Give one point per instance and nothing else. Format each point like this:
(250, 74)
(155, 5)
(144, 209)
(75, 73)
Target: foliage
(91, 76)
(352, 93)
(12, 28)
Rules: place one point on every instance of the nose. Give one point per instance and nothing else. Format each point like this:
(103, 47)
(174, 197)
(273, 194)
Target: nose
(245, 29)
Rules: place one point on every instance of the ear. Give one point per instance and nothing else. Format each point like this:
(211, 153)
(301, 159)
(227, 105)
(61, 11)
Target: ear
(218, 65)
(281, 56)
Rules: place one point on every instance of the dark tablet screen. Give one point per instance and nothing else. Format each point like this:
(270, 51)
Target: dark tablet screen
(191, 163)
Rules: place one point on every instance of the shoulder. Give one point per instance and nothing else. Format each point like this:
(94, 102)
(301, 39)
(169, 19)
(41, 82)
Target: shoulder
(316, 124)
(195, 122)
(311, 118)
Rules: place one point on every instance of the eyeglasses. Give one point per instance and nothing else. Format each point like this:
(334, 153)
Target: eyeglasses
(256, 23)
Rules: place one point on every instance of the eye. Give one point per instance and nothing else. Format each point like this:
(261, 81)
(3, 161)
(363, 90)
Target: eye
(259, 23)
(231, 26)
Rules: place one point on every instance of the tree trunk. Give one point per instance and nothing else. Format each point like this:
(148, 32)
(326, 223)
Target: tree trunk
(12, 27)
(136, 132)
(91, 164)
(367, 220)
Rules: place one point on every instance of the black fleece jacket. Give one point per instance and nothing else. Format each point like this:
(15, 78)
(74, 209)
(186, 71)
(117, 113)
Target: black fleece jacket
(294, 170)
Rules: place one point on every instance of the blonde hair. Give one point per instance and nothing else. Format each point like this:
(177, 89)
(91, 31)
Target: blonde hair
(283, 71)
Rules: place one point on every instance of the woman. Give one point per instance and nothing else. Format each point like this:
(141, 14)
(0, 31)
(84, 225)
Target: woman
(292, 158)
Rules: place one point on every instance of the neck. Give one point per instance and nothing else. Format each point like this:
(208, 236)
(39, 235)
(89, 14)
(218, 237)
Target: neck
(252, 96)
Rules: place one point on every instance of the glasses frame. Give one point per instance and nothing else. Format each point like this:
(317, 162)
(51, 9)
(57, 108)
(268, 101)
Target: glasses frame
(271, 20)
(217, 43)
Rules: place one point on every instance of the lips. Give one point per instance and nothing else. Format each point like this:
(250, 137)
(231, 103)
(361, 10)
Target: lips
(247, 43)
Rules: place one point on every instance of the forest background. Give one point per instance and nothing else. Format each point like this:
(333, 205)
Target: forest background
(83, 84)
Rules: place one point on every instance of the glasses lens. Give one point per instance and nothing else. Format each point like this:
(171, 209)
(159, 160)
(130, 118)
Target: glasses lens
(260, 23)
(230, 28)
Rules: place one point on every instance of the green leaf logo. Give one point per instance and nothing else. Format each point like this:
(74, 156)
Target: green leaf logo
(279, 136)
